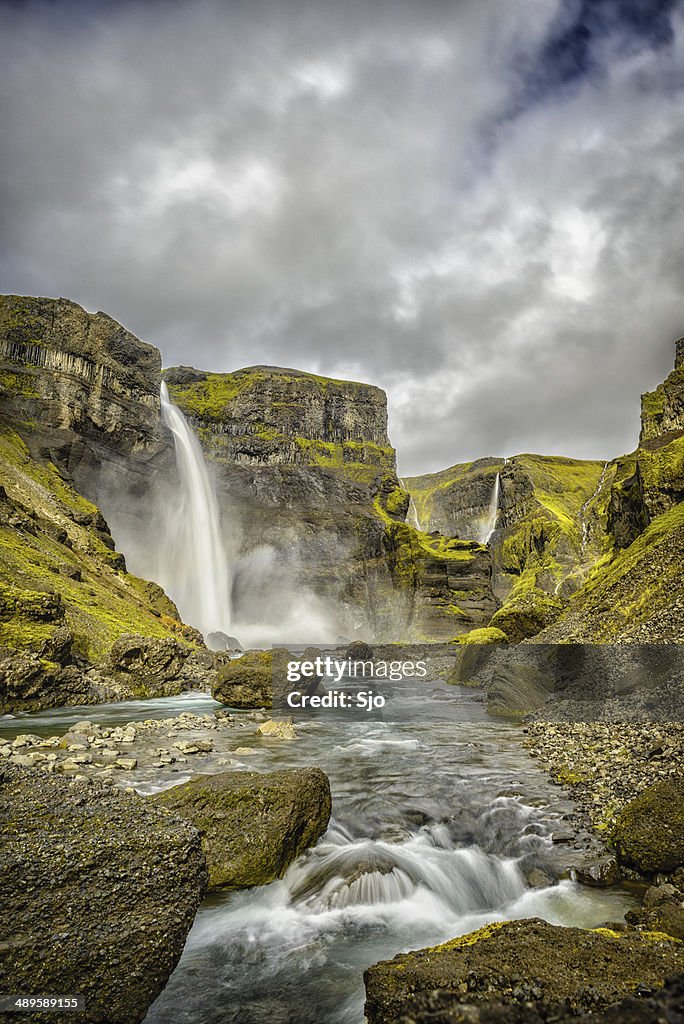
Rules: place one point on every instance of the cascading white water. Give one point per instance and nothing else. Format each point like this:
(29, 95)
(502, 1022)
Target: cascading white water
(412, 517)
(585, 506)
(195, 570)
(492, 515)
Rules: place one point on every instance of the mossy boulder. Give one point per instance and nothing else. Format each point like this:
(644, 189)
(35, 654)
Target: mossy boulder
(527, 612)
(98, 891)
(246, 682)
(156, 667)
(662, 909)
(649, 831)
(359, 650)
(253, 826)
(518, 962)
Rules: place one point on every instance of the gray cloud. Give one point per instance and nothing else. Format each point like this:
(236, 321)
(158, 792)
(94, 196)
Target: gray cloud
(401, 196)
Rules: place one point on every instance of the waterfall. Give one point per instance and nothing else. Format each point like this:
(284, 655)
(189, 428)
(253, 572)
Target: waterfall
(196, 565)
(585, 506)
(412, 517)
(492, 515)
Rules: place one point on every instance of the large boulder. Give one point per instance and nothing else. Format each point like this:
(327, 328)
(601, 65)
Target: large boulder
(157, 667)
(246, 682)
(519, 962)
(253, 826)
(649, 831)
(98, 891)
(440, 1007)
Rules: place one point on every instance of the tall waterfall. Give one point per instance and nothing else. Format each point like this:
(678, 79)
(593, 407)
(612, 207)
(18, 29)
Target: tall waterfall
(492, 515)
(196, 564)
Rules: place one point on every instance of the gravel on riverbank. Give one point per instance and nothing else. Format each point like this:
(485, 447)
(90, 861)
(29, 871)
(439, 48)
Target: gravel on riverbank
(606, 765)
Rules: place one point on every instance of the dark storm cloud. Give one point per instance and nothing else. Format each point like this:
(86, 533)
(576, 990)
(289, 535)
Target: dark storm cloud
(472, 207)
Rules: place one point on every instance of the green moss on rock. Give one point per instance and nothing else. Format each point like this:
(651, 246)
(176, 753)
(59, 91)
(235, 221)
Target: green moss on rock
(649, 832)
(520, 962)
(252, 825)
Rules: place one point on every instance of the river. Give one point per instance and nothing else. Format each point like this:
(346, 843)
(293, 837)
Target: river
(439, 816)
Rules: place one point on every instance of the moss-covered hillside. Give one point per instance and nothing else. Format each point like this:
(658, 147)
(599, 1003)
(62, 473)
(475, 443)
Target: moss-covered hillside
(582, 550)
(549, 526)
(65, 594)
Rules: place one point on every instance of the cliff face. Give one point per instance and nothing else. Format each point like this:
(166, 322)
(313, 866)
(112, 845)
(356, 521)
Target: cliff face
(271, 415)
(457, 500)
(582, 551)
(635, 592)
(547, 527)
(305, 475)
(303, 464)
(653, 477)
(84, 394)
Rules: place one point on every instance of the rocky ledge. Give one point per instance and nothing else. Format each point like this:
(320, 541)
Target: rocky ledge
(443, 1007)
(524, 964)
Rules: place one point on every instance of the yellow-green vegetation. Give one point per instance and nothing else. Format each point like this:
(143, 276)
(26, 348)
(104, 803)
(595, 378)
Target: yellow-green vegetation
(469, 939)
(638, 582)
(21, 384)
(562, 486)
(569, 777)
(361, 462)
(57, 571)
(431, 488)
(658, 408)
(408, 543)
(527, 609)
(548, 505)
(209, 398)
(484, 635)
(663, 468)
(390, 502)
(19, 321)
(648, 833)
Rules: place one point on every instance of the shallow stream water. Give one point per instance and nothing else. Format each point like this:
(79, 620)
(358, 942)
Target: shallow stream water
(438, 818)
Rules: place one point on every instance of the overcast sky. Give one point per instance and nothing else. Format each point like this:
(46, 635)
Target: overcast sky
(476, 204)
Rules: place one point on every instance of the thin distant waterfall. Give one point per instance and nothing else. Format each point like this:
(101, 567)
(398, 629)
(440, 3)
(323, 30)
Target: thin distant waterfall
(492, 515)
(196, 564)
(412, 517)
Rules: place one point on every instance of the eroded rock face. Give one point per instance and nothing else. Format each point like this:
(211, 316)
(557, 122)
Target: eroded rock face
(88, 388)
(253, 826)
(525, 961)
(150, 667)
(98, 891)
